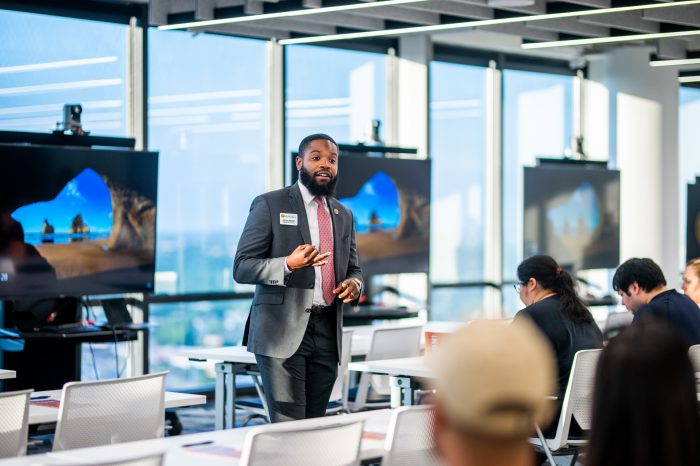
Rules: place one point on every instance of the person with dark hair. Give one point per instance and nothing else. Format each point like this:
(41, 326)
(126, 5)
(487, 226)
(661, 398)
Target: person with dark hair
(642, 287)
(551, 301)
(645, 410)
(691, 280)
(298, 248)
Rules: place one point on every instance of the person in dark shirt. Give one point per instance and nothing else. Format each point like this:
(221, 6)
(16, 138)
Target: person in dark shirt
(553, 305)
(642, 286)
(645, 410)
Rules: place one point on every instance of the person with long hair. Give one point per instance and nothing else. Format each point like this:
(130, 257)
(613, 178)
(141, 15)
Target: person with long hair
(645, 409)
(552, 303)
(691, 280)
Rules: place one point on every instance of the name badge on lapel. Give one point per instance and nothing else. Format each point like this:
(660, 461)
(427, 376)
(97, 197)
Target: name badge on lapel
(288, 219)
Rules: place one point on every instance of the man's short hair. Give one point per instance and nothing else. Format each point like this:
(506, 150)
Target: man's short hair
(643, 271)
(493, 379)
(313, 137)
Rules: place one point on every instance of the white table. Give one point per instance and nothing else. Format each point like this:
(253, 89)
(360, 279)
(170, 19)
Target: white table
(235, 360)
(401, 373)
(39, 414)
(7, 374)
(372, 447)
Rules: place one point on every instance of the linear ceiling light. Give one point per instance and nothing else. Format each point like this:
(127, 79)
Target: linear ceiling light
(686, 61)
(689, 79)
(609, 40)
(481, 23)
(286, 14)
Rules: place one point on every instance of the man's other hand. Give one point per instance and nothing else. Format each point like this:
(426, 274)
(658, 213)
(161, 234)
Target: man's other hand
(348, 289)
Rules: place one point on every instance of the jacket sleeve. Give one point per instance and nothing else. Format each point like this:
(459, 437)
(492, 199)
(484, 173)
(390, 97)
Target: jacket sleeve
(252, 264)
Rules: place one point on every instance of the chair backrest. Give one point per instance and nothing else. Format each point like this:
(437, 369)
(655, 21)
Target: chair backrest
(14, 417)
(390, 343)
(615, 322)
(694, 354)
(340, 388)
(288, 444)
(395, 342)
(110, 411)
(409, 440)
(578, 398)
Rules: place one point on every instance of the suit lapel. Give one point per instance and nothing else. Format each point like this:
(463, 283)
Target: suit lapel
(300, 209)
(337, 222)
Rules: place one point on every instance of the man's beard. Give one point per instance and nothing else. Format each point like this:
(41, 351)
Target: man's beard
(315, 188)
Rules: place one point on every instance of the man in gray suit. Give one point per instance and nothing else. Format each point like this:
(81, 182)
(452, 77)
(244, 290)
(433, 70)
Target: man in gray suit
(298, 248)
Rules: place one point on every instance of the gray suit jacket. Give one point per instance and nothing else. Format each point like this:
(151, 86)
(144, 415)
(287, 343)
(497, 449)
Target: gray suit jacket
(280, 310)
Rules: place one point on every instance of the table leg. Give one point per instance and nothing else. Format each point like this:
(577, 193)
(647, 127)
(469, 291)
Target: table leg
(402, 391)
(225, 395)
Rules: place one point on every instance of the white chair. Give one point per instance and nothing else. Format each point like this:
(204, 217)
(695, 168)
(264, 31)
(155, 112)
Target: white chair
(694, 354)
(615, 323)
(110, 411)
(387, 343)
(577, 404)
(338, 400)
(14, 417)
(291, 444)
(409, 440)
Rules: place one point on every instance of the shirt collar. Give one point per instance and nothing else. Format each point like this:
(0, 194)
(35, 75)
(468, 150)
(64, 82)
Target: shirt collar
(306, 194)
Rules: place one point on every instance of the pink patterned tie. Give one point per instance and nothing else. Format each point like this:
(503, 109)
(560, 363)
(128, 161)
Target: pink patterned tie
(325, 234)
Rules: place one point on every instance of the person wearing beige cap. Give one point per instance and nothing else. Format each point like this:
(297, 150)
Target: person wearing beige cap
(492, 382)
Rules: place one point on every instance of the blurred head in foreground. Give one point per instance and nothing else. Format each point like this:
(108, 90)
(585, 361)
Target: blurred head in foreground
(645, 408)
(492, 379)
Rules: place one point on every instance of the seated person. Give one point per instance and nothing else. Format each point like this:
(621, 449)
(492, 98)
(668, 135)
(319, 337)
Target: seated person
(642, 287)
(645, 409)
(691, 280)
(551, 301)
(492, 381)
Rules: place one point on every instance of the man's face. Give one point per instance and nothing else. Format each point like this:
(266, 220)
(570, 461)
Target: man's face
(318, 167)
(633, 298)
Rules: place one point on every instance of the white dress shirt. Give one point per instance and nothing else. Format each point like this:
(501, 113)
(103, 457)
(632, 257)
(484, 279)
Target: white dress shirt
(312, 216)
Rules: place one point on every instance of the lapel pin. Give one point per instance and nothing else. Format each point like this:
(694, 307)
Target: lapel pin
(335, 211)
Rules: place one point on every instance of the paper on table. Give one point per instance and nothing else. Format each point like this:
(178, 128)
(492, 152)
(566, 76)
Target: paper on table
(47, 403)
(367, 435)
(214, 450)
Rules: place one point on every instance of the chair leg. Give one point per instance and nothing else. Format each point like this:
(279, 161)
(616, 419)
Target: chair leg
(545, 447)
(574, 459)
(253, 416)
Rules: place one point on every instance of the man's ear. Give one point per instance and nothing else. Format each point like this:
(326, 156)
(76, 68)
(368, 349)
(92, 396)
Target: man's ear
(298, 161)
(633, 289)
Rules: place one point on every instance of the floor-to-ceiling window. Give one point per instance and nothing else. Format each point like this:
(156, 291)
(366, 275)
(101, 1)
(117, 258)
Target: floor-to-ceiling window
(48, 61)
(537, 122)
(206, 118)
(458, 151)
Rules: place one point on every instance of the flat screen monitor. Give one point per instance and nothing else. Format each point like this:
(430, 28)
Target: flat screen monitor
(76, 221)
(390, 202)
(572, 213)
(693, 221)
